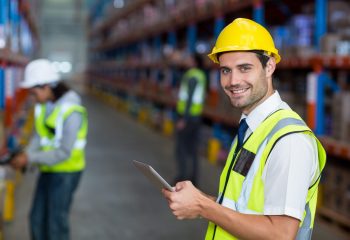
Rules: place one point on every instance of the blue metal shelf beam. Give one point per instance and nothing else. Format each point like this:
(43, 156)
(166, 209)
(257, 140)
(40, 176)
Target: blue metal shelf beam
(172, 40)
(259, 12)
(320, 21)
(191, 38)
(219, 25)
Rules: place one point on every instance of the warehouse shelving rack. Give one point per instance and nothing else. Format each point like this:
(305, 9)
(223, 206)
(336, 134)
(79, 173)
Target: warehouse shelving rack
(18, 43)
(115, 61)
(13, 16)
(10, 58)
(172, 21)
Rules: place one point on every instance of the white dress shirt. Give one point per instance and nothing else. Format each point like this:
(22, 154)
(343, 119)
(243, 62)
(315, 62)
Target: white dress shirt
(291, 167)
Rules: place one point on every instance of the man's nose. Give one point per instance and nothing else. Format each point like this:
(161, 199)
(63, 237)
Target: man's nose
(234, 78)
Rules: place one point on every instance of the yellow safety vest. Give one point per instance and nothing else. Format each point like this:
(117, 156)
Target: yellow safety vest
(50, 140)
(198, 95)
(241, 185)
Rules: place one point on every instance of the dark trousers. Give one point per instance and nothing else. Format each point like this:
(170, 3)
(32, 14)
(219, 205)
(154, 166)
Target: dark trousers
(49, 216)
(186, 152)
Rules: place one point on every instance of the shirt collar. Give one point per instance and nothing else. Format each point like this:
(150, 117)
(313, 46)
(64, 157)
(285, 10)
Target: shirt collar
(262, 111)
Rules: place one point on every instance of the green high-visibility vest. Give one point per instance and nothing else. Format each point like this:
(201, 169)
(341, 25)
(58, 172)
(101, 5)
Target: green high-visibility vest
(198, 95)
(241, 185)
(50, 140)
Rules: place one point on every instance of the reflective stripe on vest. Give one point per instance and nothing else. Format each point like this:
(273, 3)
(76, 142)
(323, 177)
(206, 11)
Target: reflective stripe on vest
(50, 140)
(46, 142)
(241, 186)
(198, 95)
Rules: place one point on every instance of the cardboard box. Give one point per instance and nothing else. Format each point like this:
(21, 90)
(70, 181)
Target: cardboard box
(341, 116)
(329, 43)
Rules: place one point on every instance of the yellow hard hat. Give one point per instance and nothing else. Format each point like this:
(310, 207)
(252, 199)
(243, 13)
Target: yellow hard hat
(244, 35)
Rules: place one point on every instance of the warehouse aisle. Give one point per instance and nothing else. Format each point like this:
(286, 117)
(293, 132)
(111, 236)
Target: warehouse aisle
(114, 201)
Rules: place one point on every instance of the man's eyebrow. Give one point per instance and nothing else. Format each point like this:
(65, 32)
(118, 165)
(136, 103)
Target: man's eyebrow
(244, 65)
(237, 66)
(224, 67)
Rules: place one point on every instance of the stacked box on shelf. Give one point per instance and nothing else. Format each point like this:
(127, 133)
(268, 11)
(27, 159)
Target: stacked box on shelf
(151, 15)
(337, 40)
(203, 7)
(336, 186)
(119, 29)
(341, 116)
(295, 38)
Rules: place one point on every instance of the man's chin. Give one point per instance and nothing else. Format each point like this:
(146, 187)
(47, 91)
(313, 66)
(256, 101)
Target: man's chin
(237, 104)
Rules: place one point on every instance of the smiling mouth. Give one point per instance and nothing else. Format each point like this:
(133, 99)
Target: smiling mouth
(238, 91)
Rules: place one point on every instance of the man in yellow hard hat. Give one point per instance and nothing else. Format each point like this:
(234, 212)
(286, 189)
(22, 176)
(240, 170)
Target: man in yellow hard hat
(268, 188)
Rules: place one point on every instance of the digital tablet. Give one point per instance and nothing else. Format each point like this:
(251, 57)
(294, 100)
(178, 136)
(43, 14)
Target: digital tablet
(153, 176)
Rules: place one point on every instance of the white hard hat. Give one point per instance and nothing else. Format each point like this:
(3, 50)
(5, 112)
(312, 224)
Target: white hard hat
(39, 72)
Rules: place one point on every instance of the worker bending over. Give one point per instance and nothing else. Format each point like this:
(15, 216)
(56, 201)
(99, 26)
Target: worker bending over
(57, 147)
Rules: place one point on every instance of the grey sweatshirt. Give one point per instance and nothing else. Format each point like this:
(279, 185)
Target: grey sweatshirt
(71, 127)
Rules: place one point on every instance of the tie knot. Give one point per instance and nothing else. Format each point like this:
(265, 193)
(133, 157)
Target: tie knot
(243, 126)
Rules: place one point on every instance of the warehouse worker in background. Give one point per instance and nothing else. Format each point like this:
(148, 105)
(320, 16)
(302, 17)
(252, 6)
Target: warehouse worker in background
(268, 187)
(57, 148)
(189, 108)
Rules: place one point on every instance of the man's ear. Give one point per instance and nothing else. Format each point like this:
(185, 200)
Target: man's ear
(270, 67)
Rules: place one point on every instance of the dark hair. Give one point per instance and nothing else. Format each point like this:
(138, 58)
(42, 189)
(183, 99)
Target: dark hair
(59, 90)
(263, 58)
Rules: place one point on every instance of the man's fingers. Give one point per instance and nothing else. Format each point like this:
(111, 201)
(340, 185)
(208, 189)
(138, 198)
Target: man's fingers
(180, 185)
(165, 193)
(170, 196)
(173, 206)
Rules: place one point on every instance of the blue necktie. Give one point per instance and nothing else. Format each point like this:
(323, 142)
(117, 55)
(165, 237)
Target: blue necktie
(243, 126)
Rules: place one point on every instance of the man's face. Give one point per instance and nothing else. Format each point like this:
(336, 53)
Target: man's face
(41, 93)
(244, 80)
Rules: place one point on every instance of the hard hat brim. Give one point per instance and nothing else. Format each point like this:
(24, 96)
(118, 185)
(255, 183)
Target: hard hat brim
(27, 85)
(213, 55)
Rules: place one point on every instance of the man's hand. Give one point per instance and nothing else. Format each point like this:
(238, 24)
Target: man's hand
(19, 161)
(185, 202)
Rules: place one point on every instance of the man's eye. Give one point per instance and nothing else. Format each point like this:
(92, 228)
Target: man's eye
(225, 71)
(244, 68)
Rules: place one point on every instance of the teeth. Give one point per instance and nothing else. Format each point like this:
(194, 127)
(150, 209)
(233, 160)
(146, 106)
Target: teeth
(238, 91)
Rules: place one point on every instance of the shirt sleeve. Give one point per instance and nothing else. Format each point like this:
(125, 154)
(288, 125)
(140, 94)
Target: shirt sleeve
(289, 172)
(71, 127)
(34, 144)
